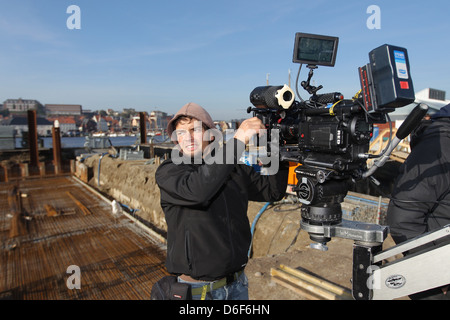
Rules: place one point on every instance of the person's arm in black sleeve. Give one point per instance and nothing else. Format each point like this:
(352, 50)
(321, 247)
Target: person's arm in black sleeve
(187, 185)
(262, 187)
(419, 185)
(196, 185)
(405, 220)
(268, 187)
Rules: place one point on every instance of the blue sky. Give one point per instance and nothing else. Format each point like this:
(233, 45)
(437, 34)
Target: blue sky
(159, 55)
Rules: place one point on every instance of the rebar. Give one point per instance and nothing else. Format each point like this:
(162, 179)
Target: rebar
(115, 260)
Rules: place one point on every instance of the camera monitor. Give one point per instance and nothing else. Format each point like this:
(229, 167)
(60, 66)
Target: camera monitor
(315, 49)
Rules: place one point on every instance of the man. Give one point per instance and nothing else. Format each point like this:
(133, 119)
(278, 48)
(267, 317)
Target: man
(420, 200)
(205, 205)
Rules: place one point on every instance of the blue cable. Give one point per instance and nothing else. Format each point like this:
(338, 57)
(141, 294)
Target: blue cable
(255, 220)
(129, 208)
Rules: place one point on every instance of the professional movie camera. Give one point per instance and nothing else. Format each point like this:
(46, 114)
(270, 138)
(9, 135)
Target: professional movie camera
(329, 135)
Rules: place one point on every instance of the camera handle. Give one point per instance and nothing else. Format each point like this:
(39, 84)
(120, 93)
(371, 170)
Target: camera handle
(410, 123)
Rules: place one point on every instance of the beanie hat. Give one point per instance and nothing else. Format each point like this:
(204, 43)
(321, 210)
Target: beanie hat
(192, 110)
(444, 112)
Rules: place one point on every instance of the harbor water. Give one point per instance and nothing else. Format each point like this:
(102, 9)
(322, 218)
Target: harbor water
(79, 142)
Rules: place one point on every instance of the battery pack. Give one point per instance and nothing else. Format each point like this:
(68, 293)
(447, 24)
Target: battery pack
(386, 81)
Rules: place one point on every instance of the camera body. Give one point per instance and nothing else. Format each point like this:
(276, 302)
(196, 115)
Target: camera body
(327, 141)
(328, 135)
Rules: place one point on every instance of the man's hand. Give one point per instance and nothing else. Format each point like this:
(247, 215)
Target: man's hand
(248, 129)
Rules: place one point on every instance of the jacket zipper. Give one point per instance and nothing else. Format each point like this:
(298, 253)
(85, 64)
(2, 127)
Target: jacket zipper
(229, 230)
(187, 246)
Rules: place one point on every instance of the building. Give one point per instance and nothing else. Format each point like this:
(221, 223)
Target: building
(7, 140)
(158, 120)
(63, 109)
(20, 125)
(135, 121)
(21, 105)
(66, 123)
(433, 98)
(113, 124)
(102, 125)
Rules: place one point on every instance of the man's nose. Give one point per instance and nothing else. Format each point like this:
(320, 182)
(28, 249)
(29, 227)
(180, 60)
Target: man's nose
(189, 136)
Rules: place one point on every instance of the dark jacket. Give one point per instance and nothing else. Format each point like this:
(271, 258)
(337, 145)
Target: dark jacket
(424, 181)
(205, 206)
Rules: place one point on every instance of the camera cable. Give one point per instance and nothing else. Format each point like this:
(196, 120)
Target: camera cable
(296, 84)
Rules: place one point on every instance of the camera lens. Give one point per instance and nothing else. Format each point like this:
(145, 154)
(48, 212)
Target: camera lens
(273, 97)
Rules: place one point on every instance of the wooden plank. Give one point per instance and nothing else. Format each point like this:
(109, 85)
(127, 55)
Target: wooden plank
(51, 211)
(296, 289)
(318, 282)
(83, 208)
(325, 294)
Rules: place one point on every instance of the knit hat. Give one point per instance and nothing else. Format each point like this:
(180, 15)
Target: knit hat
(192, 110)
(444, 112)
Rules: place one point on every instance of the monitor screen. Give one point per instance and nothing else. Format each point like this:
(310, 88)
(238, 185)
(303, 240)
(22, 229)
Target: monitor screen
(315, 49)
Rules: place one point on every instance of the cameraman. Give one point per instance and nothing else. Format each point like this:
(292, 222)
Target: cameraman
(420, 200)
(205, 206)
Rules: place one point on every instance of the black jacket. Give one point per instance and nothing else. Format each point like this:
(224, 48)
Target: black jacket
(205, 206)
(421, 196)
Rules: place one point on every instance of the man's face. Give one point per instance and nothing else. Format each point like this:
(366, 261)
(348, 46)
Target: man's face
(189, 135)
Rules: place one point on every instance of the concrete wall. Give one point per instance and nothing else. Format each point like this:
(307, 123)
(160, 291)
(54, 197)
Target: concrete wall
(130, 182)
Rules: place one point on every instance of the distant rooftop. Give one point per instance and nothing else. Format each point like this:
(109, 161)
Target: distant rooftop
(434, 98)
(20, 121)
(63, 109)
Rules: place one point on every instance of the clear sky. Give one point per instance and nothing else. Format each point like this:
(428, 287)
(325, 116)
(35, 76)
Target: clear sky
(159, 55)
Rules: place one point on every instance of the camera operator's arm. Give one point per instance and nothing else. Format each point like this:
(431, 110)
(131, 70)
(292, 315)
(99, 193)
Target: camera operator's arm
(248, 129)
(421, 194)
(188, 185)
(196, 185)
(268, 187)
(261, 187)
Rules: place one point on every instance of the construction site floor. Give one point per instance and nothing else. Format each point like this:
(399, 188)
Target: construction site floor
(76, 254)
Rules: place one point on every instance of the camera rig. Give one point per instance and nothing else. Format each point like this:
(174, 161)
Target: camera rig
(329, 137)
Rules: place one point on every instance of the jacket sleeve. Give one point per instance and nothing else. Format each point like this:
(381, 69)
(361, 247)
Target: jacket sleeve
(268, 187)
(405, 220)
(190, 185)
(423, 180)
(187, 185)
